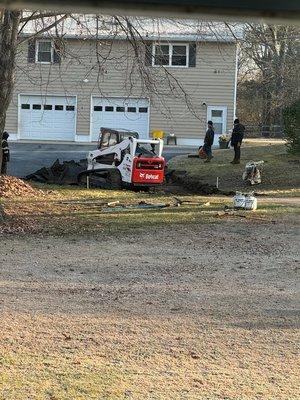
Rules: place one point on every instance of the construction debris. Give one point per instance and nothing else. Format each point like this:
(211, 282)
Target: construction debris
(112, 203)
(180, 202)
(253, 171)
(11, 186)
(65, 173)
(142, 205)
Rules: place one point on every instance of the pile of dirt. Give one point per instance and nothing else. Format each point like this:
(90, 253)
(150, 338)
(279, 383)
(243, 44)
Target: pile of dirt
(65, 173)
(11, 186)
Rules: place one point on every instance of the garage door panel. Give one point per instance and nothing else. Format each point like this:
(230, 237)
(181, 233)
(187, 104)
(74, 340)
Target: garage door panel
(131, 114)
(47, 117)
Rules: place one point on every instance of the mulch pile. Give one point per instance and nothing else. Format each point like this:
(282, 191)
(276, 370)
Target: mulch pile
(11, 186)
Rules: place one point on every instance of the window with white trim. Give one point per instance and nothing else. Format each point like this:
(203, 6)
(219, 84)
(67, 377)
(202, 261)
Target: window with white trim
(171, 55)
(44, 51)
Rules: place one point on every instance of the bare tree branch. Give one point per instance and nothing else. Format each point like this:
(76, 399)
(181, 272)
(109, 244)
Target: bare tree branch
(46, 29)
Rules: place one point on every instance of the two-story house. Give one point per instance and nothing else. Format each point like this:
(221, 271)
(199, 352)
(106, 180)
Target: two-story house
(66, 89)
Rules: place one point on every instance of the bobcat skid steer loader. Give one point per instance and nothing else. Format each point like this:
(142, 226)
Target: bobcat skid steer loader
(124, 160)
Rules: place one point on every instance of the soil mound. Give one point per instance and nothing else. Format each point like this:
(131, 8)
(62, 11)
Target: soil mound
(65, 173)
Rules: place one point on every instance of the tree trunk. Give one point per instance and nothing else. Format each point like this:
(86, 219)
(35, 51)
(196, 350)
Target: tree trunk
(9, 25)
(266, 106)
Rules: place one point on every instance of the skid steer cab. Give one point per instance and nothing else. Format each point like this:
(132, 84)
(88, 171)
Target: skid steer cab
(122, 159)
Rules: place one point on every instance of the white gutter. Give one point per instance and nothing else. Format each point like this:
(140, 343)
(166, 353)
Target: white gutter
(157, 38)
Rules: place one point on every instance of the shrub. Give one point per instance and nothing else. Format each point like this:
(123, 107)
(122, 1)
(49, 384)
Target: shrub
(291, 121)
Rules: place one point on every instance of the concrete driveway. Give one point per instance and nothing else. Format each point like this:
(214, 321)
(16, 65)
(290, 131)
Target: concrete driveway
(28, 157)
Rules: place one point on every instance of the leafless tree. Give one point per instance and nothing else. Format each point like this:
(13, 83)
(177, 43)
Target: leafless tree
(269, 71)
(12, 23)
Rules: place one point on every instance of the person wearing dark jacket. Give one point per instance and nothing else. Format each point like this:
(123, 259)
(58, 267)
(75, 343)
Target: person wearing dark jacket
(236, 140)
(5, 153)
(208, 141)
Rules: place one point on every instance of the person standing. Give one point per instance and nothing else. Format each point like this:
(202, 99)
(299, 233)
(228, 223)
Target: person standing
(208, 141)
(5, 153)
(236, 140)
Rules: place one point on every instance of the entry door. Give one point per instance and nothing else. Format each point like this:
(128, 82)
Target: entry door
(218, 115)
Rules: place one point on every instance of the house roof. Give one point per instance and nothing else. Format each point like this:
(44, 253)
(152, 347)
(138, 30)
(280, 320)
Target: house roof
(276, 11)
(158, 29)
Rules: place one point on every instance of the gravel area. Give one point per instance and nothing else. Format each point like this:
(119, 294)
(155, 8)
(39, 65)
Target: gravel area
(196, 312)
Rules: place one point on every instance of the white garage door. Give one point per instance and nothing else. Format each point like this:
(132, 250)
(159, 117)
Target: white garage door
(47, 118)
(120, 113)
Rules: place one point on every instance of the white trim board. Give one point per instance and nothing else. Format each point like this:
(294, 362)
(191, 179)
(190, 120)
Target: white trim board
(211, 108)
(171, 45)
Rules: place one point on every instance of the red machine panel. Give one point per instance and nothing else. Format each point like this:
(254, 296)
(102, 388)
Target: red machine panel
(148, 170)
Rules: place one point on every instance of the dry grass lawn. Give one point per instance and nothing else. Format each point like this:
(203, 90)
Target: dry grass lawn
(281, 171)
(197, 312)
(70, 210)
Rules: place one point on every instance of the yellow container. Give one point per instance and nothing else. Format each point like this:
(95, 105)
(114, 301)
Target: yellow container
(158, 134)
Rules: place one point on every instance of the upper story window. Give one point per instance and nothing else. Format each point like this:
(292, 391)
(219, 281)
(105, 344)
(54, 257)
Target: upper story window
(171, 55)
(44, 51)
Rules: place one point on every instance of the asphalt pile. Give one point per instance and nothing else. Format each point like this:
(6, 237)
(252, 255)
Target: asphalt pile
(64, 173)
(11, 186)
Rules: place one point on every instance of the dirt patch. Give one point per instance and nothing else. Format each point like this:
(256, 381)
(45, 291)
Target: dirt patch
(191, 184)
(198, 312)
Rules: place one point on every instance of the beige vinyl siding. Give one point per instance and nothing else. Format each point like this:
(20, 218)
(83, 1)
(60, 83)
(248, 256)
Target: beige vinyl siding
(211, 81)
